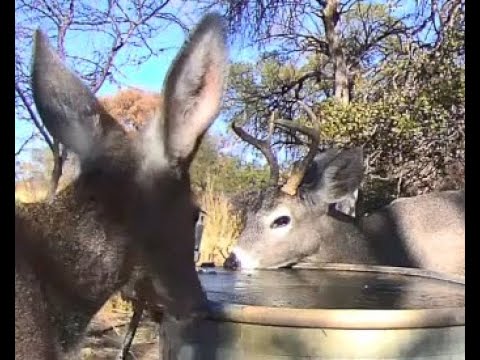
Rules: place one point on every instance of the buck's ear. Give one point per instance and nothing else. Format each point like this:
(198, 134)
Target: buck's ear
(313, 175)
(348, 205)
(68, 109)
(340, 175)
(194, 88)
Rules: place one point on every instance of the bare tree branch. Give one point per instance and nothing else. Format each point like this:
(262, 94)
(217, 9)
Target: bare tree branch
(34, 117)
(20, 149)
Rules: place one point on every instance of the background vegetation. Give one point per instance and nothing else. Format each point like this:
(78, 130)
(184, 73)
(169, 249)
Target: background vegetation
(387, 75)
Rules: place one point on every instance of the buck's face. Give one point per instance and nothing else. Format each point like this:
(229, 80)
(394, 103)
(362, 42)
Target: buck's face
(288, 228)
(278, 234)
(140, 187)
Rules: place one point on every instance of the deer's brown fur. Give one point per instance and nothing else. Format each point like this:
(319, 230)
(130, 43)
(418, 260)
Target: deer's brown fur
(130, 206)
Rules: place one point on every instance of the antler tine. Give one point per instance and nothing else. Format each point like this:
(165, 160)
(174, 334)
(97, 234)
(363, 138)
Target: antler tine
(295, 179)
(263, 146)
(309, 111)
(271, 125)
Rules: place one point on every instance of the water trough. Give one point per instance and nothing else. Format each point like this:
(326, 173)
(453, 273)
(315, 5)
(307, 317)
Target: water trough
(332, 312)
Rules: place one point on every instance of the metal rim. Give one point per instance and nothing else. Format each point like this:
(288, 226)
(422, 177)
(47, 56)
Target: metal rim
(339, 318)
(348, 318)
(458, 279)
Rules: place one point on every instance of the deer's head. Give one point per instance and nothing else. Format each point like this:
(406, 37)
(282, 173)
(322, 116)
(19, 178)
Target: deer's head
(139, 187)
(291, 222)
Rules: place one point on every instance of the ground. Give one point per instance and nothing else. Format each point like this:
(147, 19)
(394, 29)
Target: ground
(107, 331)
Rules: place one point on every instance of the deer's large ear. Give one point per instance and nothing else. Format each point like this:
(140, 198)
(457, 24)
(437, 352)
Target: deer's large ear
(194, 88)
(338, 174)
(348, 205)
(313, 175)
(68, 109)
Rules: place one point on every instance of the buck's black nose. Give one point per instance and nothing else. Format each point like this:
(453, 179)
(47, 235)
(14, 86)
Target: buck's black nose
(232, 263)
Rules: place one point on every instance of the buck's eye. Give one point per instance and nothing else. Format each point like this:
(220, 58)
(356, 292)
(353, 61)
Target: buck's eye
(196, 216)
(280, 222)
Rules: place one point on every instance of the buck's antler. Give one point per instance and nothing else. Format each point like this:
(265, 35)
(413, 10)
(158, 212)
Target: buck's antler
(263, 146)
(298, 172)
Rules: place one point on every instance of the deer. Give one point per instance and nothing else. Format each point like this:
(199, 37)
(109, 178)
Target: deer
(299, 222)
(131, 204)
(139, 289)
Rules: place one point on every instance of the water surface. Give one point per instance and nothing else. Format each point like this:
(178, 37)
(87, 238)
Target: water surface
(329, 289)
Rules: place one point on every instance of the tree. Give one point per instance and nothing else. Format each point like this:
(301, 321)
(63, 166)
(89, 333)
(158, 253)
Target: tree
(107, 29)
(314, 29)
(406, 83)
(133, 108)
(311, 55)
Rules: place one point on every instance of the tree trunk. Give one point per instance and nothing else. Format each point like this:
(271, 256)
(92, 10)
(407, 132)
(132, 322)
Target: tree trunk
(58, 159)
(330, 20)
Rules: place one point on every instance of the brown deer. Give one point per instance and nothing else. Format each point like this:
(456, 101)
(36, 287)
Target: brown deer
(298, 222)
(131, 204)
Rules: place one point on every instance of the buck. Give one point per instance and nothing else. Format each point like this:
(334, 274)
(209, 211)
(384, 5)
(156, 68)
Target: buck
(130, 205)
(299, 222)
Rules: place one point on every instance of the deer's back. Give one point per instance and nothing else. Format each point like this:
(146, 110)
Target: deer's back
(426, 231)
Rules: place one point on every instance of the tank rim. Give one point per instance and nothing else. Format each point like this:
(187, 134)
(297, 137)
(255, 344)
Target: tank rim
(347, 318)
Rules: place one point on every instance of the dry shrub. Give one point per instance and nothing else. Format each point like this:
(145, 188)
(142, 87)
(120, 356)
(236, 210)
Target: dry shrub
(31, 191)
(221, 226)
(132, 108)
(117, 305)
(114, 309)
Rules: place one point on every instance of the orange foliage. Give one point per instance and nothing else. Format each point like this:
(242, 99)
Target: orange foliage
(132, 107)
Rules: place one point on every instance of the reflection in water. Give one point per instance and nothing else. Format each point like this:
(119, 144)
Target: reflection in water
(328, 289)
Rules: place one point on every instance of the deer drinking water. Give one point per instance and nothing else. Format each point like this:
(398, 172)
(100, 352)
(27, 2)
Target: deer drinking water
(297, 223)
(131, 204)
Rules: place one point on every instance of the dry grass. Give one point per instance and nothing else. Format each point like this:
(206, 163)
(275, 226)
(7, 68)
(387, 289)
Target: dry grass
(221, 227)
(114, 309)
(27, 192)
(118, 305)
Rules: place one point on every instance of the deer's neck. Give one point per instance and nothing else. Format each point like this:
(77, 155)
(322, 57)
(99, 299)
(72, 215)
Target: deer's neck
(341, 241)
(79, 262)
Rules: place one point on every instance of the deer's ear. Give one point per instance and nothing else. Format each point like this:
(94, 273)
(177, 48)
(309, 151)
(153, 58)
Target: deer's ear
(313, 175)
(69, 110)
(348, 205)
(194, 88)
(338, 175)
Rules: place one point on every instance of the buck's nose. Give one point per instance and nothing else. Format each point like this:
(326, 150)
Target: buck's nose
(232, 262)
